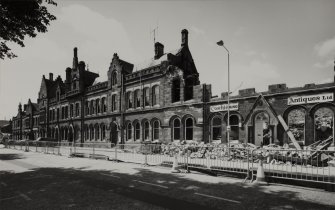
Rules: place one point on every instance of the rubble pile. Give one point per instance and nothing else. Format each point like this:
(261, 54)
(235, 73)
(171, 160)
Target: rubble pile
(315, 154)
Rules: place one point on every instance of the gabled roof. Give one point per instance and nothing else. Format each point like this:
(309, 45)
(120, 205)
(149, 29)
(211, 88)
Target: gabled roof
(251, 112)
(155, 62)
(89, 78)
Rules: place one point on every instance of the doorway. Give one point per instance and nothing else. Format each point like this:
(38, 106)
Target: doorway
(114, 133)
(263, 132)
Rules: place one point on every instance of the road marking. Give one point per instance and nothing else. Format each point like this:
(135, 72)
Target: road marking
(224, 199)
(111, 175)
(3, 199)
(36, 177)
(157, 185)
(25, 197)
(4, 184)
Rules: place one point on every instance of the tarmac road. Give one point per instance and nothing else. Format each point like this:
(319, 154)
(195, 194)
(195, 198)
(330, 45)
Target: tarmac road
(31, 180)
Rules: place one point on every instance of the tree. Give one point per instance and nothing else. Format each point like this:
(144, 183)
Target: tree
(21, 18)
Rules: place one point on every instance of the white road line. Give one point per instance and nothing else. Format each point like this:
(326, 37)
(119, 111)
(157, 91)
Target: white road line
(112, 176)
(157, 185)
(4, 184)
(3, 199)
(25, 197)
(224, 199)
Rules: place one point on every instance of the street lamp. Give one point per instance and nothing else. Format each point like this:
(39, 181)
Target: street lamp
(221, 43)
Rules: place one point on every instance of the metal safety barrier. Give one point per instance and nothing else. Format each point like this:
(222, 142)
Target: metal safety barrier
(305, 165)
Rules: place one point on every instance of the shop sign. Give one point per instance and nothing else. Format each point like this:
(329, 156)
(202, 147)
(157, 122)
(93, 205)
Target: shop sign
(310, 99)
(224, 107)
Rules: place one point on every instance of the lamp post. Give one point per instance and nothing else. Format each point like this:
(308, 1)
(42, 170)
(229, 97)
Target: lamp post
(221, 43)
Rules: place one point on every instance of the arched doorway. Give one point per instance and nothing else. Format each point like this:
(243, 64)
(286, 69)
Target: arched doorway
(114, 133)
(263, 134)
(324, 123)
(71, 134)
(57, 134)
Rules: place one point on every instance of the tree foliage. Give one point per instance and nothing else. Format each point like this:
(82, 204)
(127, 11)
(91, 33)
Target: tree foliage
(21, 18)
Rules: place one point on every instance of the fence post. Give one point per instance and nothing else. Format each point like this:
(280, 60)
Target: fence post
(248, 166)
(146, 154)
(116, 153)
(59, 148)
(93, 150)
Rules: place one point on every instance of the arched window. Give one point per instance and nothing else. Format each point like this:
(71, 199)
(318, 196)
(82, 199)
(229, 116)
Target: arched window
(129, 98)
(155, 95)
(97, 105)
(176, 129)
(103, 132)
(296, 123)
(129, 131)
(114, 78)
(234, 127)
(113, 103)
(324, 123)
(146, 130)
(103, 104)
(77, 109)
(146, 97)
(155, 130)
(97, 132)
(216, 128)
(188, 89)
(87, 108)
(137, 97)
(91, 132)
(87, 137)
(92, 106)
(175, 90)
(67, 112)
(137, 131)
(189, 129)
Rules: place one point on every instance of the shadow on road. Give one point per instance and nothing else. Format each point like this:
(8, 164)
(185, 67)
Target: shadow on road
(10, 156)
(59, 188)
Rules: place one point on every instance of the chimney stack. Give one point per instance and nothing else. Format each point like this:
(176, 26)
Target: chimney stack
(75, 58)
(159, 50)
(81, 66)
(51, 76)
(184, 37)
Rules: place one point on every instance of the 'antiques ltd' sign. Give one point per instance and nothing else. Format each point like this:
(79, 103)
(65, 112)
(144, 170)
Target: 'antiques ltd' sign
(224, 107)
(310, 99)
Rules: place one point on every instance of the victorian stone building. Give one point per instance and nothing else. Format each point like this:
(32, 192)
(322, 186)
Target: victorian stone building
(163, 101)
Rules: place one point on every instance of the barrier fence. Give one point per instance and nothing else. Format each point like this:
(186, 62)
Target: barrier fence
(306, 165)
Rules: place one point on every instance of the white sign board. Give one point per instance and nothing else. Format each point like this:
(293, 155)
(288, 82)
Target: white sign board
(310, 99)
(224, 107)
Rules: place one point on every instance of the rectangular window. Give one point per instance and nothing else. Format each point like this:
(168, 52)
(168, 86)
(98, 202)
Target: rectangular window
(129, 100)
(77, 109)
(146, 97)
(113, 103)
(176, 90)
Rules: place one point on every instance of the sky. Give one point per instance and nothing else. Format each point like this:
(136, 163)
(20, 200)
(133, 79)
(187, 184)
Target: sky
(270, 42)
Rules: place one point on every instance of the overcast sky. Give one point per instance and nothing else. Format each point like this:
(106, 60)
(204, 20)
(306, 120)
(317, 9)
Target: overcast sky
(287, 41)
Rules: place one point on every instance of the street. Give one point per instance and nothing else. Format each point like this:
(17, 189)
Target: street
(30, 180)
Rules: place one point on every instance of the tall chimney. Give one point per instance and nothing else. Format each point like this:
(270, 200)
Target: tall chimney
(51, 76)
(75, 58)
(159, 50)
(184, 37)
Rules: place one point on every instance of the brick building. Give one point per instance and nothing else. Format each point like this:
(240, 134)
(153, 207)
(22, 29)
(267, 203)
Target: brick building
(162, 100)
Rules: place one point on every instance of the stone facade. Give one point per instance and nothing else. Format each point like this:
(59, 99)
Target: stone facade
(162, 100)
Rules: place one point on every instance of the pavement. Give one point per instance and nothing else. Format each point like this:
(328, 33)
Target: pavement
(30, 180)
